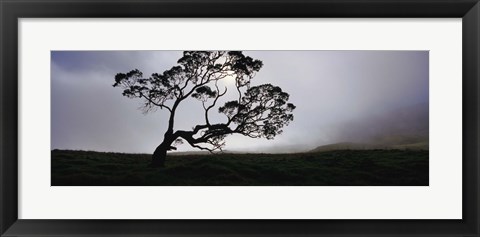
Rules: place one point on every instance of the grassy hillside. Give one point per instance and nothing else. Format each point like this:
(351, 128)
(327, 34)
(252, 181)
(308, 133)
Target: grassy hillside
(331, 168)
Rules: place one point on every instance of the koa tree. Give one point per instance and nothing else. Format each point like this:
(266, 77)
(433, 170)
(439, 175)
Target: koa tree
(258, 111)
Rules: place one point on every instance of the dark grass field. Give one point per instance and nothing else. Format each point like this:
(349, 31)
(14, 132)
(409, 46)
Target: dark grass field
(333, 168)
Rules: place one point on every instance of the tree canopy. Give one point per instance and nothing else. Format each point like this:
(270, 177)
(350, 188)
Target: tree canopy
(259, 111)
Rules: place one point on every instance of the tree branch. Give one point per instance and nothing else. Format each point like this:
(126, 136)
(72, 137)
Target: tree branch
(214, 102)
(154, 103)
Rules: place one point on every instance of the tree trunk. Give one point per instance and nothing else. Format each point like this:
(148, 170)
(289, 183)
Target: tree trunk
(159, 155)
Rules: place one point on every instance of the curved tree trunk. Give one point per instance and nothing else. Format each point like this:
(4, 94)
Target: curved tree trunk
(159, 155)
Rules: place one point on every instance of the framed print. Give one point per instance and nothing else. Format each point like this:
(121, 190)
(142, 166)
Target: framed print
(239, 118)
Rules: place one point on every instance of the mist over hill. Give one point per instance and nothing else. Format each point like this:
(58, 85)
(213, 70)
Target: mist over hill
(405, 125)
(403, 128)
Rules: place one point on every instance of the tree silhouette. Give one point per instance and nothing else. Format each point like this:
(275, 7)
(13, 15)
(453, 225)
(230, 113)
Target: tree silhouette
(259, 111)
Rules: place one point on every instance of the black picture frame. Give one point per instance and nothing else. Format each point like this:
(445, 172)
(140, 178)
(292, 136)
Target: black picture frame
(12, 10)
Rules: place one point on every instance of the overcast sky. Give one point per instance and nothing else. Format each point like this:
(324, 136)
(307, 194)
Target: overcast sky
(340, 96)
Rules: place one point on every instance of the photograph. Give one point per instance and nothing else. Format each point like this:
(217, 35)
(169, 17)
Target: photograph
(239, 118)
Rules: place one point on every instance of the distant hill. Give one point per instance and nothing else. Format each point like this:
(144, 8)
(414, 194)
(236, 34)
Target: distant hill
(368, 146)
(402, 126)
(346, 146)
(412, 146)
